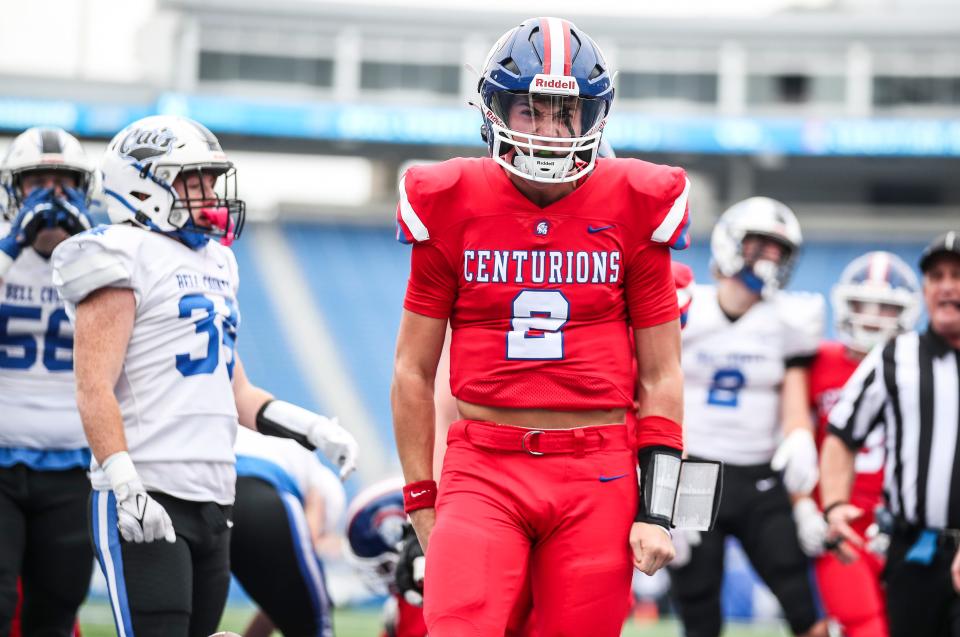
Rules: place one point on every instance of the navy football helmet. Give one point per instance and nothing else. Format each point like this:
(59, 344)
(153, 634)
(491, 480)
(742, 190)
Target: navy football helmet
(877, 297)
(375, 527)
(545, 93)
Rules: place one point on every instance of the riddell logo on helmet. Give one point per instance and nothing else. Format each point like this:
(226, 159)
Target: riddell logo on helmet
(557, 84)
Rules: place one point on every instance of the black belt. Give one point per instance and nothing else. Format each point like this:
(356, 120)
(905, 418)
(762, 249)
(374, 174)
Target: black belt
(946, 538)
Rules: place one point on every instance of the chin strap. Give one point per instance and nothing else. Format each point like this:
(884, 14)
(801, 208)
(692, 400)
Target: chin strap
(190, 236)
(752, 281)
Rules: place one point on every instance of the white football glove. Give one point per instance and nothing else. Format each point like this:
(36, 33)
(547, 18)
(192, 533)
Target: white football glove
(280, 418)
(336, 443)
(877, 541)
(811, 527)
(797, 458)
(683, 543)
(419, 569)
(140, 518)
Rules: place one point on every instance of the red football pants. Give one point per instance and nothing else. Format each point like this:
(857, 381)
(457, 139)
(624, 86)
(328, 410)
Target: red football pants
(505, 514)
(409, 620)
(852, 594)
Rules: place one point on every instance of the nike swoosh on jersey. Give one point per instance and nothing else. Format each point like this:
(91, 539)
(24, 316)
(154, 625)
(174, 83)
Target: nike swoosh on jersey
(596, 229)
(612, 478)
(141, 503)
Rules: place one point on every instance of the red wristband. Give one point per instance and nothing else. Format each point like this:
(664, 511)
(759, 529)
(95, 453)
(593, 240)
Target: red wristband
(657, 431)
(419, 495)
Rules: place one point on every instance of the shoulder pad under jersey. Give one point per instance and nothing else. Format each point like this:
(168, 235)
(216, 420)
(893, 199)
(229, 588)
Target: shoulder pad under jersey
(661, 194)
(102, 257)
(423, 190)
(803, 316)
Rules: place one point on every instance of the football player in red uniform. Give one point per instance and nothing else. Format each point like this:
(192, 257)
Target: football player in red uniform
(876, 298)
(542, 258)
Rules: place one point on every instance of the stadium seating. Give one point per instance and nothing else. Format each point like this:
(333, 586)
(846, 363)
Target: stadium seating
(265, 349)
(357, 276)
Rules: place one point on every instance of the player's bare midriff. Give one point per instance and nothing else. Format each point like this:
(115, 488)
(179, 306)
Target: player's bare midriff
(541, 418)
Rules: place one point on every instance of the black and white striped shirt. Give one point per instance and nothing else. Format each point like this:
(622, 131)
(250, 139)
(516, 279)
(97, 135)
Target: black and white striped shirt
(911, 386)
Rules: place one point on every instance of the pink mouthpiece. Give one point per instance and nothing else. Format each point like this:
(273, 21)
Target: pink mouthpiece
(219, 217)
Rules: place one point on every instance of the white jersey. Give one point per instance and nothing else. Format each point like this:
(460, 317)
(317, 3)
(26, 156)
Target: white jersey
(37, 390)
(174, 390)
(291, 468)
(733, 372)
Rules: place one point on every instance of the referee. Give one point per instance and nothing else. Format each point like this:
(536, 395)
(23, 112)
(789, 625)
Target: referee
(911, 386)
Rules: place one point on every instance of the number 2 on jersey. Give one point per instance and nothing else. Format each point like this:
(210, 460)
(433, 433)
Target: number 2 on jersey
(207, 325)
(538, 317)
(725, 387)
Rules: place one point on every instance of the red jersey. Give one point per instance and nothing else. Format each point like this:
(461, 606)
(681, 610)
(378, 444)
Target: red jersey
(830, 370)
(539, 299)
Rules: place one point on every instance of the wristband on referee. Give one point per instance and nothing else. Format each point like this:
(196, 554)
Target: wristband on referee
(830, 507)
(419, 495)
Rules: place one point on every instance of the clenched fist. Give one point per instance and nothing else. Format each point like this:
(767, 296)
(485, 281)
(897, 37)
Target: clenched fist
(652, 547)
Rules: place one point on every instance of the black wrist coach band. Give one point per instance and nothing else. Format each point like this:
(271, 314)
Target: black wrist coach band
(831, 507)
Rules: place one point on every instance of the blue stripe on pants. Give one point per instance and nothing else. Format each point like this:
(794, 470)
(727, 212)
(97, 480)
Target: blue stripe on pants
(106, 539)
(310, 567)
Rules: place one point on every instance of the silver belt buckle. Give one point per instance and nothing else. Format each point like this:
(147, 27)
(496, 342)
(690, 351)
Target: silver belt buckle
(523, 443)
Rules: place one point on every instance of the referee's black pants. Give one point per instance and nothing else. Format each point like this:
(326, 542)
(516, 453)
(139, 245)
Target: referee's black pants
(43, 541)
(756, 510)
(159, 589)
(921, 601)
(272, 557)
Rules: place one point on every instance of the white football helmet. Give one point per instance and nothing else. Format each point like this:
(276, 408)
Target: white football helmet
(762, 217)
(876, 298)
(44, 149)
(139, 169)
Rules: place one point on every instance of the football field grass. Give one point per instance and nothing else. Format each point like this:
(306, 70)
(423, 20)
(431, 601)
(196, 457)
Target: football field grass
(96, 621)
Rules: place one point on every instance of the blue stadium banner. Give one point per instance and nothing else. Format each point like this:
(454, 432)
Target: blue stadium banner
(458, 126)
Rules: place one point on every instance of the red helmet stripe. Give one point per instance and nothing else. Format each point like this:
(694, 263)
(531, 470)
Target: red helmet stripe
(547, 54)
(879, 266)
(556, 49)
